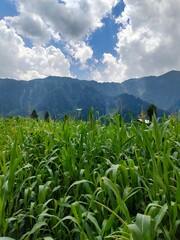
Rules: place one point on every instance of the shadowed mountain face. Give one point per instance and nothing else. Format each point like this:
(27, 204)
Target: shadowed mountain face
(163, 91)
(60, 95)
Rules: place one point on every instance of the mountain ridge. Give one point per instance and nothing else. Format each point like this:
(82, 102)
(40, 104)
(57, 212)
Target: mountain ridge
(60, 95)
(162, 90)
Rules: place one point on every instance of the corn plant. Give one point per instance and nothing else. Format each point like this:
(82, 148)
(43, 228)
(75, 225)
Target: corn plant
(99, 179)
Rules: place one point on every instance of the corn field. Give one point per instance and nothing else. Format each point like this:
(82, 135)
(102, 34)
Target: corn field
(100, 179)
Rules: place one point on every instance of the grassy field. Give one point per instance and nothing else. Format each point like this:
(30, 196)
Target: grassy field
(89, 180)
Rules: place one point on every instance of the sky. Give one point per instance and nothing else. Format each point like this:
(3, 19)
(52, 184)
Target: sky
(102, 40)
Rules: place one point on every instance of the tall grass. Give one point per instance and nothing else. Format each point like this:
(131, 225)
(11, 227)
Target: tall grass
(100, 179)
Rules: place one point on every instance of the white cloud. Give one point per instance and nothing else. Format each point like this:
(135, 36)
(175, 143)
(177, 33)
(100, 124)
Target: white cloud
(150, 44)
(148, 41)
(148, 38)
(79, 51)
(20, 62)
(69, 22)
(112, 71)
(72, 19)
(31, 26)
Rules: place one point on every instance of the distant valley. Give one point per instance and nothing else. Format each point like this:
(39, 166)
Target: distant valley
(60, 95)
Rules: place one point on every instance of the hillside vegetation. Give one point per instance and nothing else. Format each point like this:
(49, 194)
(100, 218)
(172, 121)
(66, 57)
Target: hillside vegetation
(60, 95)
(100, 179)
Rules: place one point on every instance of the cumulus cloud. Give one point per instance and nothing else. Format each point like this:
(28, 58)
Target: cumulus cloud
(148, 40)
(20, 62)
(149, 44)
(31, 26)
(111, 71)
(79, 51)
(69, 22)
(72, 19)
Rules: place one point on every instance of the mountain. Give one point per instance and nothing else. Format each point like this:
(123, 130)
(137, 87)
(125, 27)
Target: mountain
(163, 91)
(130, 106)
(175, 107)
(60, 95)
(88, 97)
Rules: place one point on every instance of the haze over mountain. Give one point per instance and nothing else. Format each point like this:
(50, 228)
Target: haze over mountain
(60, 95)
(163, 91)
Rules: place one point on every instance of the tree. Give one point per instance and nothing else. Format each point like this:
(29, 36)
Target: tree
(46, 116)
(34, 114)
(151, 111)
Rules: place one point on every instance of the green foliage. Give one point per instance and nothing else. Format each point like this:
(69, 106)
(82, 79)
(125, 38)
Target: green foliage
(100, 179)
(34, 114)
(6, 238)
(46, 116)
(152, 110)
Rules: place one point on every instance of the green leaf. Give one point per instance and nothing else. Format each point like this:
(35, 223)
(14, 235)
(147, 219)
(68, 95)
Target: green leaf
(160, 215)
(37, 226)
(122, 204)
(92, 219)
(79, 182)
(145, 225)
(6, 238)
(136, 232)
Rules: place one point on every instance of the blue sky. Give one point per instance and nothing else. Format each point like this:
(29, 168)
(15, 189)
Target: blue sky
(7, 8)
(104, 40)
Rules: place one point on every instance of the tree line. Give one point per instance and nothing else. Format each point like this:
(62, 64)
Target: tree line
(152, 110)
(34, 115)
